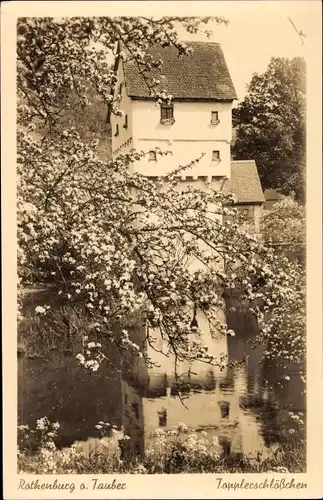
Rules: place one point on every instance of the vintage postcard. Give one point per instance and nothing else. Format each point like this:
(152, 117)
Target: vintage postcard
(162, 250)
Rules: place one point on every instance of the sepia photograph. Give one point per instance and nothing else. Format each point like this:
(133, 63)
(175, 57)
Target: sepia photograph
(161, 202)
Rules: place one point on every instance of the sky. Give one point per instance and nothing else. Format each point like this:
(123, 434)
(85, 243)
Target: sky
(258, 31)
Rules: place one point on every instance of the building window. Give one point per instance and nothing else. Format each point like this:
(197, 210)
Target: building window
(167, 113)
(244, 212)
(162, 417)
(125, 125)
(152, 156)
(120, 88)
(117, 131)
(225, 409)
(214, 117)
(216, 155)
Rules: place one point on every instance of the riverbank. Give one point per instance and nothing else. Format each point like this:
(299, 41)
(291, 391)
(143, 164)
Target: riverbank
(71, 462)
(180, 450)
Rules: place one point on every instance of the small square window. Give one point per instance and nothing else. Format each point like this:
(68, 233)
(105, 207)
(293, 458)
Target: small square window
(216, 155)
(214, 117)
(167, 113)
(152, 156)
(117, 130)
(244, 212)
(125, 125)
(225, 409)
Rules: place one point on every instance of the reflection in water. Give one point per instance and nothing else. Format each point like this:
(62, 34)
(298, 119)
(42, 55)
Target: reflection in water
(215, 410)
(241, 405)
(234, 404)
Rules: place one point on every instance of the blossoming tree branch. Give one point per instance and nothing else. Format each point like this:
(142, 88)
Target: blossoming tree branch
(118, 245)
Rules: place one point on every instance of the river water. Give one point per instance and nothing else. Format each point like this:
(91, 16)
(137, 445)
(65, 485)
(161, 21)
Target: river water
(243, 406)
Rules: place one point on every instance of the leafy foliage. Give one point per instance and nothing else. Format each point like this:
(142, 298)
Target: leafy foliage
(270, 125)
(284, 224)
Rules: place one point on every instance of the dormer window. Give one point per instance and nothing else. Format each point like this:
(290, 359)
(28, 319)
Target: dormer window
(117, 130)
(152, 156)
(215, 117)
(167, 113)
(125, 125)
(216, 156)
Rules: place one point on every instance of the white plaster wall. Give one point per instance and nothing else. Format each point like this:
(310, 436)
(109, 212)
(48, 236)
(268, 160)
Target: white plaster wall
(122, 142)
(253, 211)
(257, 215)
(192, 121)
(216, 345)
(203, 185)
(183, 152)
(188, 138)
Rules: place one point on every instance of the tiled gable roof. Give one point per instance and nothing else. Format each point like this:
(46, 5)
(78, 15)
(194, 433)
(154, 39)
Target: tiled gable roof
(245, 182)
(201, 75)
